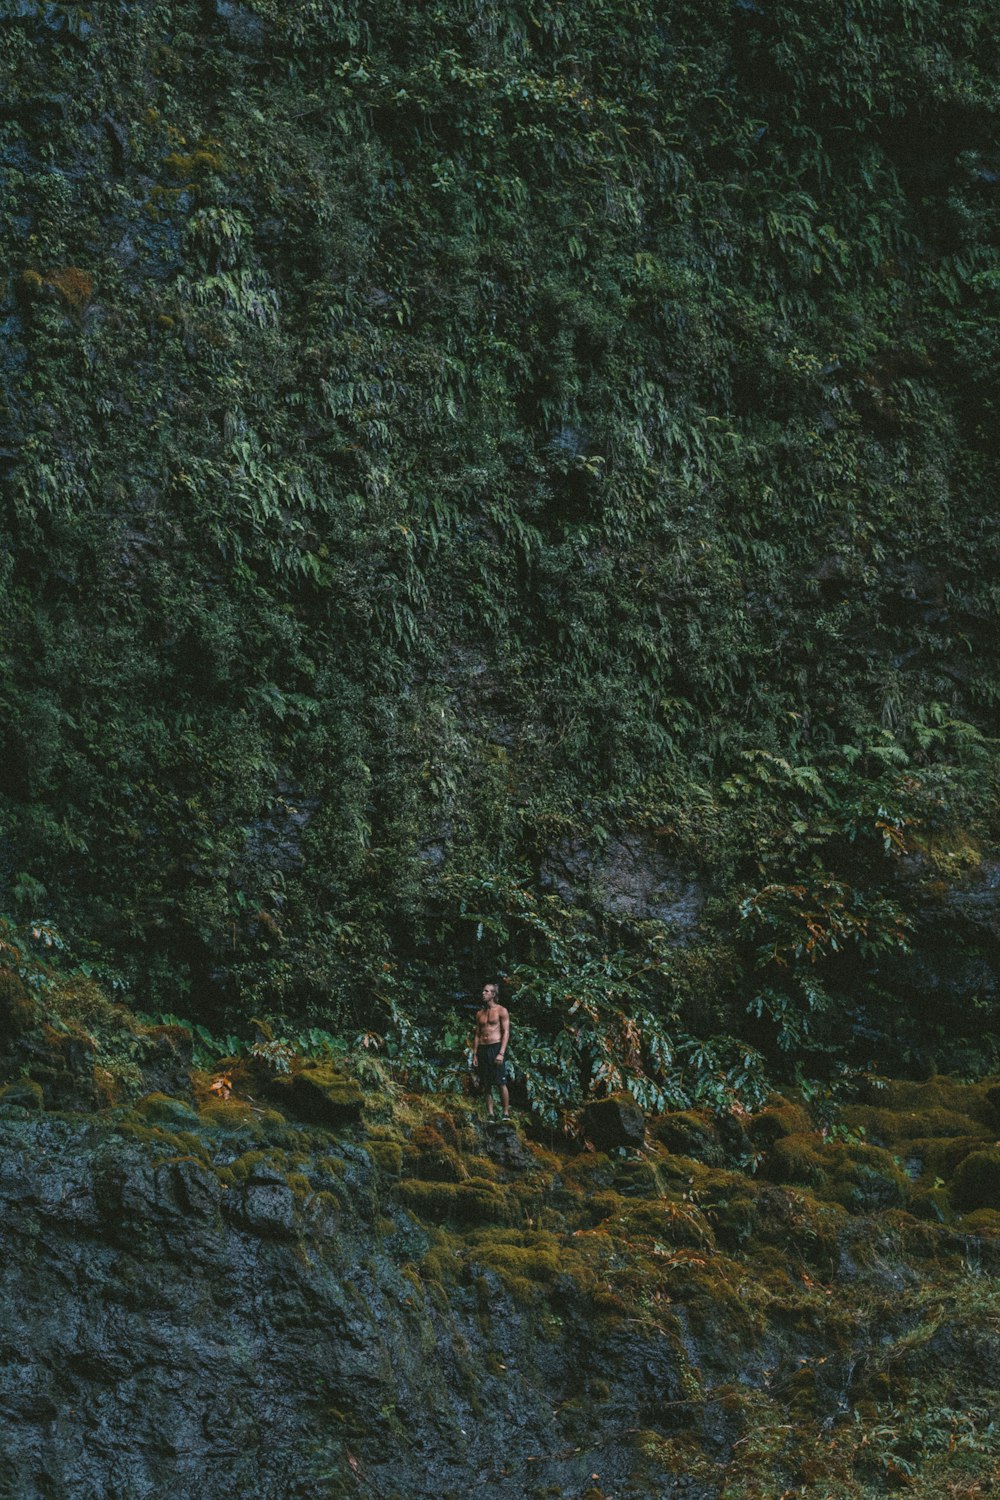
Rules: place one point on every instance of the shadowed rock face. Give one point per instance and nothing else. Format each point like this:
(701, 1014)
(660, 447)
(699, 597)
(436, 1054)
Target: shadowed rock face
(626, 877)
(213, 1301)
(170, 1332)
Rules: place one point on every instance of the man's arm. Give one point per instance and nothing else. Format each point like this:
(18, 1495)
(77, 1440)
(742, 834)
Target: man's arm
(504, 1033)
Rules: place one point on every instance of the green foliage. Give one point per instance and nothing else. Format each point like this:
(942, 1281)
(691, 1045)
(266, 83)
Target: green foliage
(443, 433)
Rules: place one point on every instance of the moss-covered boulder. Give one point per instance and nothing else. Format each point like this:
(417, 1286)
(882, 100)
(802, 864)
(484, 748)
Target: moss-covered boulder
(976, 1183)
(862, 1178)
(320, 1093)
(614, 1123)
(691, 1132)
(475, 1201)
(162, 1109)
(781, 1117)
(866, 1179)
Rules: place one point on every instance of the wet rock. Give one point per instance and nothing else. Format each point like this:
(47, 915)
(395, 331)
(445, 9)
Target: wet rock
(275, 842)
(978, 900)
(615, 1122)
(267, 1206)
(63, 1063)
(196, 1188)
(117, 134)
(505, 1147)
(244, 27)
(179, 1319)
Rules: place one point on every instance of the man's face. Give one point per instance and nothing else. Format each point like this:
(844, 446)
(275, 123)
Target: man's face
(489, 994)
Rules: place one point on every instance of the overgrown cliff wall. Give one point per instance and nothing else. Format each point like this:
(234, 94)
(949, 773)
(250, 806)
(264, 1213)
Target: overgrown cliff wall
(508, 484)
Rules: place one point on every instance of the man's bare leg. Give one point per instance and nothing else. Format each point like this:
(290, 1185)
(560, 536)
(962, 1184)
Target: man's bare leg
(504, 1100)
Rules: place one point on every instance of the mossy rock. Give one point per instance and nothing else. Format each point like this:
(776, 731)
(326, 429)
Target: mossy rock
(267, 1164)
(796, 1157)
(734, 1218)
(933, 1204)
(862, 1178)
(443, 1166)
(591, 1172)
(982, 1221)
(238, 1117)
(319, 1093)
(388, 1157)
(893, 1126)
(637, 1179)
(614, 1123)
(668, 1222)
(432, 1160)
(938, 1156)
(693, 1133)
(537, 1258)
(976, 1183)
(164, 1110)
(780, 1118)
(24, 1092)
(942, 1092)
(473, 1202)
(601, 1206)
(866, 1179)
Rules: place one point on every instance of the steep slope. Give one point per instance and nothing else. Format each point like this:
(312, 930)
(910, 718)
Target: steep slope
(313, 1289)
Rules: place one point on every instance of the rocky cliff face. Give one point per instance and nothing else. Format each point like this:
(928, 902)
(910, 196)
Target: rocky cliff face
(217, 1297)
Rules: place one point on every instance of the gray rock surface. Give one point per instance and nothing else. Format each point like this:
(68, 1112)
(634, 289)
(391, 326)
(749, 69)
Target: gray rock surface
(627, 876)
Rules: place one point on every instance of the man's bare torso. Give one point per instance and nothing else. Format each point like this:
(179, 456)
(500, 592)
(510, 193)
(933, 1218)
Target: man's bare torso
(489, 1024)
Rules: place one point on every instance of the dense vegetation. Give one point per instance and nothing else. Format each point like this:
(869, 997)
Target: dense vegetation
(450, 439)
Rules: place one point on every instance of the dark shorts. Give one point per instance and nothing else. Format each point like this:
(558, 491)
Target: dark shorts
(491, 1074)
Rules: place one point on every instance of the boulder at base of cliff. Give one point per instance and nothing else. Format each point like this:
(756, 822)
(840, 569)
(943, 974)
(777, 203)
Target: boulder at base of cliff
(614, 1122)
(319, 1093)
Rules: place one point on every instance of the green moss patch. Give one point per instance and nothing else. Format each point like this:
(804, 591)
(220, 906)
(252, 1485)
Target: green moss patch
(24, 1092)
(473, 1202)
(320, 1094)
(163, 1110)
(387, 1156)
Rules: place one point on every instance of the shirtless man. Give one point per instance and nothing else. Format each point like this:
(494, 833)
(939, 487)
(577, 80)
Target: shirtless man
(489, 1048)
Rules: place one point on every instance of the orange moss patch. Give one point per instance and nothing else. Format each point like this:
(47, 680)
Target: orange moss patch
(75, 286)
